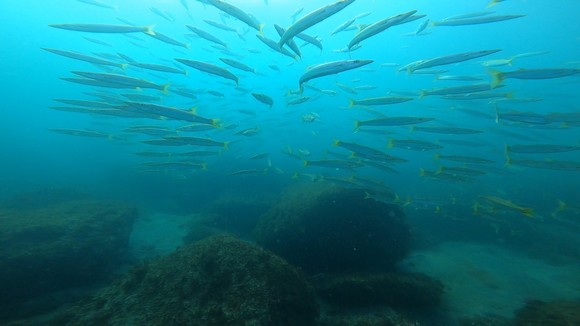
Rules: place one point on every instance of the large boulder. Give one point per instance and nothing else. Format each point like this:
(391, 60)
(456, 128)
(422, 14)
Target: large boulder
(217, 281)
(332, 229)
(396, 290)
(554, 313)
(48, 247)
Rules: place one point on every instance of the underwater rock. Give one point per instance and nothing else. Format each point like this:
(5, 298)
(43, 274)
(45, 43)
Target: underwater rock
(486, 321)
(217, 281)
(60, 246)
(329, 229)
(383, 317)
(554, 313)
(397, 290)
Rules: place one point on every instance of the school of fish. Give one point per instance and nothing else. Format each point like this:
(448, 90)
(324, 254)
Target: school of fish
(187, 113)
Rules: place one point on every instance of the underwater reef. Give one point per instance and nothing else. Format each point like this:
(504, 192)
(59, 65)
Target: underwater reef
(554, 313)
(331, 229)
(396, 290)
(380, 317)
(53, 241)
(220, 280)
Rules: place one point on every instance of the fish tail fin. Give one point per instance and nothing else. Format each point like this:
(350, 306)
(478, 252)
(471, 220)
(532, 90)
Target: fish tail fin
(476, 208)
(496, 114)
(496, 78)
(492, 3)
(408, 201)
(165, 88)
(509, 95)
(440, 170)
(124, 66)
(437, 156)
(422, 172)
(149, 30)
(226, 145)
(562, 206)
(434, 23)
(422, 94)
(187, 45)
(351, 103)
(368, 195)
(305, 163)
(508, 159)
(336, 142)
(356, 125)
(186, 72)
(204, 166)
(390, 143)
(412, 129)
(529, 212)
(261, 29)
(216, 123)
(397, 198)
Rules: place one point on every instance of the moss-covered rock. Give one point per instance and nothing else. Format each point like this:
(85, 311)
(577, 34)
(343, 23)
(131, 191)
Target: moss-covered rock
(487, 321)
(52, 247)
(398, 290)
(325, 229)
(555, 313)
(382, 317)
(217, 281)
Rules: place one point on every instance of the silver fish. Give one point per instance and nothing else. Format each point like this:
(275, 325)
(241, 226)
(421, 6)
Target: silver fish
(313, 18)
(331, 68)
(210, 69)
(104, 28)
(235, 12)
(448, 59)
(378, 27)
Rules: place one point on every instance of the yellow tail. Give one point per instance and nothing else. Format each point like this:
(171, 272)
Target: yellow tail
(529, 212)
(149, 30)
(508, 159)
(496, 78)
(165, 89)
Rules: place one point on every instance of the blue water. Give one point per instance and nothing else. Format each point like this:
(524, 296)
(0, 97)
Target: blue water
(33, 157)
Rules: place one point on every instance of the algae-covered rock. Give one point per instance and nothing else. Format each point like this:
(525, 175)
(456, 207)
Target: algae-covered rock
(217, 281)
(49, 248)
(326, 229)
(399, 290)
(555, 313)
(381, 317)
(492, 320)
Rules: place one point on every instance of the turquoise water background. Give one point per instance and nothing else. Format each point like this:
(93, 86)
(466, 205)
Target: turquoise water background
(33, 157)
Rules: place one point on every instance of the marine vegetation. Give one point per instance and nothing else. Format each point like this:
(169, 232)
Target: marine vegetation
(397, 290)
(59, 243)
(218, 281)
(328, 229)
(555, 313)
